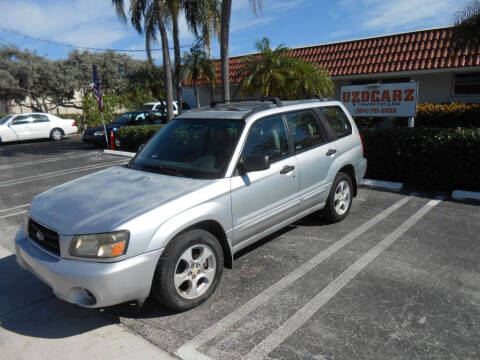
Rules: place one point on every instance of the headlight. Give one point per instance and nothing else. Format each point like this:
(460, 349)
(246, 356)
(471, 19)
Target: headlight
(106, 245)
(99, 133)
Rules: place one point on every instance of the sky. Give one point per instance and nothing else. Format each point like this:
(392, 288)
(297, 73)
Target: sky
(293, 23)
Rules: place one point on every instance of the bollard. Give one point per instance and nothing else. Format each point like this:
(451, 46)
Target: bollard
(112, 141)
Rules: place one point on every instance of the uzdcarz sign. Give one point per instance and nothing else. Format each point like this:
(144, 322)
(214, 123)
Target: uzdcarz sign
(385, 100)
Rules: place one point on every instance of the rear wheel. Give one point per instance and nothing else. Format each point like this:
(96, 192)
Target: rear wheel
(188, 271)
(56, 134)
(340, 199)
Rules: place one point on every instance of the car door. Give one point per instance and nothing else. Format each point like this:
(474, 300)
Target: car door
(315, 155)
(263, 199)
(20, 125)
(40, 126)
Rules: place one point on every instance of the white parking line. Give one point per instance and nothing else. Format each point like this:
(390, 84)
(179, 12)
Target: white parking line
(305, 313)
(58, 173)
(189, 352)
(42, 161)
(13, 214)
(14, 208)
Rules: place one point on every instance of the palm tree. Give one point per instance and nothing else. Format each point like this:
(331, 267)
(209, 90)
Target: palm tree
(275, 73)
(198, 67)
(203, 19)
(148, 17)
(466, 32)
(174, 7)
(226, 13)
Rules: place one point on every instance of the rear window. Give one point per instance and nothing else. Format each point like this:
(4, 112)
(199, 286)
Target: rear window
(337, 120)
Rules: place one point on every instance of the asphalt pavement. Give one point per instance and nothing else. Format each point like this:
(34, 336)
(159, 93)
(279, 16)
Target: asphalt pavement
(399, 278)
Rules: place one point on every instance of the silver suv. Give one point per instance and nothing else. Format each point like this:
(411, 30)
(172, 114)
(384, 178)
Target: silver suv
(210, 183)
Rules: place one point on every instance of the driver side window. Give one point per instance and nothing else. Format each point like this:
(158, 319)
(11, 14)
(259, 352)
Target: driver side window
(267, 137)
(22, 119)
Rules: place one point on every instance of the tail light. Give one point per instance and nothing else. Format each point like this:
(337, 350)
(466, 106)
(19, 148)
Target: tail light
(363, 145)
(74, 124)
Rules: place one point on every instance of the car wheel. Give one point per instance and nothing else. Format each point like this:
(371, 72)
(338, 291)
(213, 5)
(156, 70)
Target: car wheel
(188, 271)
(340, 198)
(117, 143)
(56, 134)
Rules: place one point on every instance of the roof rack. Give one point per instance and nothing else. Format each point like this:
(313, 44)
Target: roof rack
(273, 99)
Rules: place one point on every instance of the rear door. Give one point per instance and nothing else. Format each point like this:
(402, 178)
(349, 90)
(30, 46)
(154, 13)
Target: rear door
(263, 199)
(315, 155)
(40, 126)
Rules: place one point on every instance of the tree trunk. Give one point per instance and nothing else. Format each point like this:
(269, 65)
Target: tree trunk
(167, 69)
(197, 98)
(178, 77)
(224, 39)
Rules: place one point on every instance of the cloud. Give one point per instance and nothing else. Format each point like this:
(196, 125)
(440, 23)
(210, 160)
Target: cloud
(240, 25)
(393, 14)
(80, 22)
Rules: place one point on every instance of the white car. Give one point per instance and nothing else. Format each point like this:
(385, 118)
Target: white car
(15, 127)
(157, 106)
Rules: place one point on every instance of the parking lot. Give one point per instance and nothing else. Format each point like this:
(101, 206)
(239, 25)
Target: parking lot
(399, 278)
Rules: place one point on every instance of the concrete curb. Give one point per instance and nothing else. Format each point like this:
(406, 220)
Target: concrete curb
(383, 185)
(119, 153)
(465, 195)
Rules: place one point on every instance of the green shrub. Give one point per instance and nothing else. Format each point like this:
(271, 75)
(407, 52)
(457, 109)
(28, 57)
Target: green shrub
(445, 116)
(424, 157)
(448, 115)
(131, 137)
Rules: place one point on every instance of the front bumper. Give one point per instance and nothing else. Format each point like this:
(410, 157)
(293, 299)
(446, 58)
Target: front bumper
(95, 139)
(86, 283)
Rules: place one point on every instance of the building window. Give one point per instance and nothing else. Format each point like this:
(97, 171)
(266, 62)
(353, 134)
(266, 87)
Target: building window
(467, 84)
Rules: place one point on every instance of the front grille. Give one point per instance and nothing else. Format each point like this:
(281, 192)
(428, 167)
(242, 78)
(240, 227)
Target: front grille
(43, 236)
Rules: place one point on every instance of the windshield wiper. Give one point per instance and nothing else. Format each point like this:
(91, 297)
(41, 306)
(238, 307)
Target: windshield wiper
(158, 169)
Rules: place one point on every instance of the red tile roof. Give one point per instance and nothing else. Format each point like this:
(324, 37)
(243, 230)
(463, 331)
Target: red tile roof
(418, 50)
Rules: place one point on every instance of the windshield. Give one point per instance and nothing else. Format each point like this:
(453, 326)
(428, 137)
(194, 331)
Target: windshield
(198, 148)
(124, 119)
(4, 119)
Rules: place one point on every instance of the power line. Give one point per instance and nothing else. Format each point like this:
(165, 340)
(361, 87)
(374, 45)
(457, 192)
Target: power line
(81, 47)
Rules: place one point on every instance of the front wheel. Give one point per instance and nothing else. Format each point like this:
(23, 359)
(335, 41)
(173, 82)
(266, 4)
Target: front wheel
(56, 134)
(340, 198)
(188, 271)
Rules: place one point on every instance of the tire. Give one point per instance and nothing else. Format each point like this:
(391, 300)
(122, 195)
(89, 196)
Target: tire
(181, 283)
(340, 199)
(56, 134)
(117, 143)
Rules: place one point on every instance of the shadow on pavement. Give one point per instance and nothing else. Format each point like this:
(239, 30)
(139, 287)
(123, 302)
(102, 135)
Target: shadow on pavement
(28, 307)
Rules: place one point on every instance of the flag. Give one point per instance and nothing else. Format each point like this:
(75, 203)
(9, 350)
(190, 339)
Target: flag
(97, 89)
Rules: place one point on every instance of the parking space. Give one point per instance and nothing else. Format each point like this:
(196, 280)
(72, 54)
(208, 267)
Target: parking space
(399, 278)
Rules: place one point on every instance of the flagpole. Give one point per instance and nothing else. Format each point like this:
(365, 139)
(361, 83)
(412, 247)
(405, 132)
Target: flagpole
(104, 129)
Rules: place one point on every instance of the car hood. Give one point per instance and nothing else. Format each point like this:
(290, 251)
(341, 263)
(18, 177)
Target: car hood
(102, 201)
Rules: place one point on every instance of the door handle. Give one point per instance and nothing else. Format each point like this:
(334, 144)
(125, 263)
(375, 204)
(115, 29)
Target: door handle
(286, 169)
(331, 152)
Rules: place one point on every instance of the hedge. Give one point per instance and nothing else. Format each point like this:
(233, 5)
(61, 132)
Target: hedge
(437, 159)
(131, 137)
(448, 115)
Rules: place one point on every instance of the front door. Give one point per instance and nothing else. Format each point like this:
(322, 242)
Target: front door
(20, 125)
(262, 199)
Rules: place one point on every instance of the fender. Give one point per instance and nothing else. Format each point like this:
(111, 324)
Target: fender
(218, 210)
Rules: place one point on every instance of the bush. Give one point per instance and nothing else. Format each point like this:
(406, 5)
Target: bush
(131, 137)
(448, 115)
(443, 159)
(445, 116)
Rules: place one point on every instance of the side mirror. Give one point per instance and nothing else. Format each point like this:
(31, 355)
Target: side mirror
(254, 163)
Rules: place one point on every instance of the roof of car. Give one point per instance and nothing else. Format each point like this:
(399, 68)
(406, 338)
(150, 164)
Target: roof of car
(243, 109)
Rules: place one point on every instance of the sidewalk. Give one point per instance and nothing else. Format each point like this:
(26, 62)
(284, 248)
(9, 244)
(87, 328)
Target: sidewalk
(35, 325)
